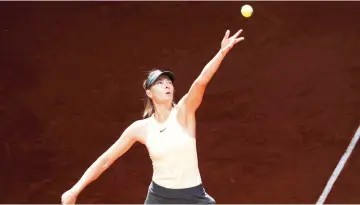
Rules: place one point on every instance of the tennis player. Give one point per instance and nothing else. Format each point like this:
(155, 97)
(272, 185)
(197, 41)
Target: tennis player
(167, 129)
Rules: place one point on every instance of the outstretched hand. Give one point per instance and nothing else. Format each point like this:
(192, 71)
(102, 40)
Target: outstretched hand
(69, 197)
(227, 43)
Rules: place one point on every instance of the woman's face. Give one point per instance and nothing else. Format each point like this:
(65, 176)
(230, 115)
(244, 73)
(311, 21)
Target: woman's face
(162, 90)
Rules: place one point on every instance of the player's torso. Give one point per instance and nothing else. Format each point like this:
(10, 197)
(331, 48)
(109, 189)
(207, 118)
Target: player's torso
(172, 149)
(179, 123)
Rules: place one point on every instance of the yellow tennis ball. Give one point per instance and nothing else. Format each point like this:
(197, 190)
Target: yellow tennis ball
(246, 10)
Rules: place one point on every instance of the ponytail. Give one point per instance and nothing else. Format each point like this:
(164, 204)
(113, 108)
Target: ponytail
(149, 108)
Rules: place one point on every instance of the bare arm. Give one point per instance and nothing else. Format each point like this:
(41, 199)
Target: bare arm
(122, 145)
(193, 98)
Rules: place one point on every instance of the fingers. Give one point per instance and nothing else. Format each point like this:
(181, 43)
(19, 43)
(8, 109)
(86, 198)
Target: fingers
(239, 39)
(233, 43)
(227, 33)
(237, 34)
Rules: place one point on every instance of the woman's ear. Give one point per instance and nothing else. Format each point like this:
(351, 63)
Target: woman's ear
(148, 93)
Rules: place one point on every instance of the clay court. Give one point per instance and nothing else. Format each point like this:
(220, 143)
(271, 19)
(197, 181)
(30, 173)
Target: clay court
(275, 120)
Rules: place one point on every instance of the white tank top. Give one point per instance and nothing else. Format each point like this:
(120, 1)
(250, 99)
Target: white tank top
(173, 154)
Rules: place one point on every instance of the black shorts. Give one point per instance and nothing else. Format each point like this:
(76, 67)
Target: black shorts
(161, 195)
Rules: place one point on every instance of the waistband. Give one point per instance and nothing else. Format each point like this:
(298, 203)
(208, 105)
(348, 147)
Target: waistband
(176, 193)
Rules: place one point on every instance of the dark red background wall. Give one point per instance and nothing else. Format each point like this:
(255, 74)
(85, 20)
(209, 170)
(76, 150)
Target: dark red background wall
(274, 123)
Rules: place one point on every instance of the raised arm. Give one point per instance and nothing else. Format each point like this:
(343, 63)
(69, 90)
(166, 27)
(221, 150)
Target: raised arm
(193, 98)
(122, 145)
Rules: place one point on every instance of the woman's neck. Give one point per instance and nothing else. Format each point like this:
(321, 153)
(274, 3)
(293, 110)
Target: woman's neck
(162, 112)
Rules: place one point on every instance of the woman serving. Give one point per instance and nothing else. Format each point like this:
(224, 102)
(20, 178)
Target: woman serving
(168, 132)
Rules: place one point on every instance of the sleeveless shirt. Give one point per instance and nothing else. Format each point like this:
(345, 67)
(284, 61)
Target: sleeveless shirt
(173, 154)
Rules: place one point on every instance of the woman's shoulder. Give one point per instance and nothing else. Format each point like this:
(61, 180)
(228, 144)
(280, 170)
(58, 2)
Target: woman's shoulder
(140, 124)
(139, 128)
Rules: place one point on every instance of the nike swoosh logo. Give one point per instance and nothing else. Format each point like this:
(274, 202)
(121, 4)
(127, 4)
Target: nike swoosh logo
(163, 130)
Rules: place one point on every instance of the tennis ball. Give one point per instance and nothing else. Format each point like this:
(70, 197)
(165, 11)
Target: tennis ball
(246, 10)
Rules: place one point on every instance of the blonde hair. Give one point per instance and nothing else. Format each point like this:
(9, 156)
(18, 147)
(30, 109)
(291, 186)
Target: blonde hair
(149, 106)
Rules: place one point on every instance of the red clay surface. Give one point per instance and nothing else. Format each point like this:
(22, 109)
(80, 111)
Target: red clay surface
(273, 125)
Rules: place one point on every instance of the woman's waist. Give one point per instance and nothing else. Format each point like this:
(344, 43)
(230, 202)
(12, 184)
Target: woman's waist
(177, 177)
(176, 169)
(194, 188)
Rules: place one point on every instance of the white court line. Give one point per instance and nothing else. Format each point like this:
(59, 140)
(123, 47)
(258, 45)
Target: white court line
(339, 167)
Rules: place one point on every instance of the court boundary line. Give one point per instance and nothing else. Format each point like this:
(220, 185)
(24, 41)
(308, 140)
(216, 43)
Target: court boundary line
(339, 167)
